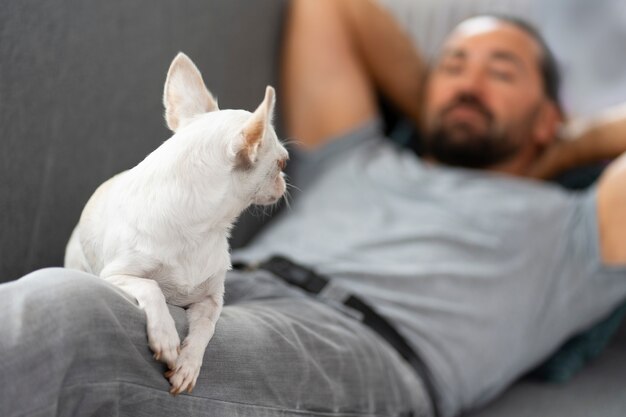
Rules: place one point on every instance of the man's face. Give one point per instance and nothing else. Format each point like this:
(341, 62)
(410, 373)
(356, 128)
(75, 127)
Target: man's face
(484, 95)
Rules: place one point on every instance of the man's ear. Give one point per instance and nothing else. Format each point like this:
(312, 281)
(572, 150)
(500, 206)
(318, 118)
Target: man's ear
(547, 123)
(247, 145)
(185, 94)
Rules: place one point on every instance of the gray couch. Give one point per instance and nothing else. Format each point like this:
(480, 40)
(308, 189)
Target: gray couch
(80, 99)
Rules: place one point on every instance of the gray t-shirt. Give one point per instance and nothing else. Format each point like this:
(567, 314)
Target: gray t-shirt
(485, 274)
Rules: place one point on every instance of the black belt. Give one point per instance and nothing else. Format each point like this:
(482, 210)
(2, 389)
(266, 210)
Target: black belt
(314, 283)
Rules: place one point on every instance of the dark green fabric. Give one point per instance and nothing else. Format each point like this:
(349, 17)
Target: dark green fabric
(580, 349)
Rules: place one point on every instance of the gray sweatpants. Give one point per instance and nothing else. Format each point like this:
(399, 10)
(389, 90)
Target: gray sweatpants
(73, 345)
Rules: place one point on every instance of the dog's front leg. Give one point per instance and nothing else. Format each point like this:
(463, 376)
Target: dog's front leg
(202, 318)
(162, 335)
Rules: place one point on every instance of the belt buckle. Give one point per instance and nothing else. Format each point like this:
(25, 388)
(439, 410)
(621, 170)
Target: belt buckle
(295, 274)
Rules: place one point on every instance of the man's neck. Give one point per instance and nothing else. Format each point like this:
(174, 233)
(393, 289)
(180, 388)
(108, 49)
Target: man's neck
(518, 166)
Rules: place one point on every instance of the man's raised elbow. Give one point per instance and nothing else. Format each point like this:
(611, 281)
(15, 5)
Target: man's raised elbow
(612, 213)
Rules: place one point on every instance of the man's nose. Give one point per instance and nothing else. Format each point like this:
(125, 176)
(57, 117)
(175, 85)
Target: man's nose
(472, 81)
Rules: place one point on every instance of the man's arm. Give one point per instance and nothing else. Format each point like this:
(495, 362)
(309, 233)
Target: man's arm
(603, 138)
(337, 55)
(612, 212)
(586, 142)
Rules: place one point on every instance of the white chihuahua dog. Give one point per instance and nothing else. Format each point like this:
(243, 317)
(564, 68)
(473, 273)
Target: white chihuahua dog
(159, 230)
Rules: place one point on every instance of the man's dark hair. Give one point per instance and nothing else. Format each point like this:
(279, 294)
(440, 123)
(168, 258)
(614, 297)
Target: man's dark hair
(548, 66)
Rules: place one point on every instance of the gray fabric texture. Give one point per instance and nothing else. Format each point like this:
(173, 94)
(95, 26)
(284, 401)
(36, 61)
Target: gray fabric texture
(598, 392)
(485, 274)
(76, 346)
(65, 127)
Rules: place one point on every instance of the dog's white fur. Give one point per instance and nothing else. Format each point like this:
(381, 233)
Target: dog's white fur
(159, 230)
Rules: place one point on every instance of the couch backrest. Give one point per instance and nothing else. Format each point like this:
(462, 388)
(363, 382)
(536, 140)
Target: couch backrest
(80, 99)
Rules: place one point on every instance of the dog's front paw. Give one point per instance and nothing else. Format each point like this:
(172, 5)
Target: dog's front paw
(164, 341)
(185, 373)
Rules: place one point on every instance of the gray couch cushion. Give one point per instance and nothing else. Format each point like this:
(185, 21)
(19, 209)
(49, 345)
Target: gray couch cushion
(597, 391)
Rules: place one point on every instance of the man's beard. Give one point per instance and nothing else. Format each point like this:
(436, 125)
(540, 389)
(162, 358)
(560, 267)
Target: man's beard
(462, 144)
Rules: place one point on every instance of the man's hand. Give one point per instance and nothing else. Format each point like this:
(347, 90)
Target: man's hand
(584, 142)
(554, 160)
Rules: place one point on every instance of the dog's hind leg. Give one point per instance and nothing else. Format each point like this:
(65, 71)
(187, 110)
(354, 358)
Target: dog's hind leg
(74, 256)
(202, 318)
(163, 338)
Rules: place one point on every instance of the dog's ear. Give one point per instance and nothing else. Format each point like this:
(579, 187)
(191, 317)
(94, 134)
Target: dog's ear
(185, 94)
(247, 145)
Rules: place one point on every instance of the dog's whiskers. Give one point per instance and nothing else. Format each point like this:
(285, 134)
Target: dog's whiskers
(291, 141)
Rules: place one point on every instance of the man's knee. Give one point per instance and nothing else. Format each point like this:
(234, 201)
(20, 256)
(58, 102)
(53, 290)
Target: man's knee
(70, 330)
(62, 284)
(73, 312)
(73, 299)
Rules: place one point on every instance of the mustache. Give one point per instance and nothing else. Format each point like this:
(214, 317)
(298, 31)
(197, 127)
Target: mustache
(471, 101)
